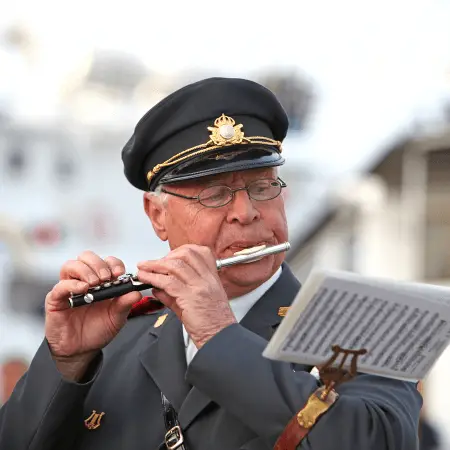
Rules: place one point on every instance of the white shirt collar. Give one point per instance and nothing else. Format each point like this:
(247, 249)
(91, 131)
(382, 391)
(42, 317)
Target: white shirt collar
(242, 305)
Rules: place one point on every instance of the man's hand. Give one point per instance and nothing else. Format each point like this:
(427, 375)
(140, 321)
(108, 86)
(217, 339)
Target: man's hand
(75, 336)
(187, 282)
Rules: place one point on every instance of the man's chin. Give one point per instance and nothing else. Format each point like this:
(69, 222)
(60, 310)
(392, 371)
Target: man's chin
(249, 274)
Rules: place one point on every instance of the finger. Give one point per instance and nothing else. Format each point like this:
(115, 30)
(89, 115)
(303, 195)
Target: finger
(200, 261)
(97, 264)
(174, 267)
(168, 283)
(205, 255)
(123, 304)
(199, 258)
(167, 300)
(186, 254)
(58, 298)
(80, 271)
(116, 266)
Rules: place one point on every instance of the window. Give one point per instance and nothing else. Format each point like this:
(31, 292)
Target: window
(27, 295)
(15, 160)
(437, 233)
(64, 167)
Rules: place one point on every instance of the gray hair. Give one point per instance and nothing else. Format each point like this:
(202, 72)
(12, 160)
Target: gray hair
(163, 197)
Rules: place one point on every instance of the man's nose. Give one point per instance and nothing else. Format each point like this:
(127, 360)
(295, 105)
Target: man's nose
(242, 209)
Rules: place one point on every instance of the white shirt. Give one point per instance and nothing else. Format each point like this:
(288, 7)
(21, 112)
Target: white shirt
(240, 307)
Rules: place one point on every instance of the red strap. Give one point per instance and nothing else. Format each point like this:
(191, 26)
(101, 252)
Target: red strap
(146, 305)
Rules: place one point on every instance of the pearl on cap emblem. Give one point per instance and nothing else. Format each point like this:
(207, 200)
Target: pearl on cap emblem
(227, 131)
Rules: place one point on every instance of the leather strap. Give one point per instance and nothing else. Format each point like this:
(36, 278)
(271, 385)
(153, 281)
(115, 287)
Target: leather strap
(302, 423)
(331, 374)
(174, 439)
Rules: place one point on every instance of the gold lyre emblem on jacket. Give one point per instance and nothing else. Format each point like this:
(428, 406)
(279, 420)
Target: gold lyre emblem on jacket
(93, 421)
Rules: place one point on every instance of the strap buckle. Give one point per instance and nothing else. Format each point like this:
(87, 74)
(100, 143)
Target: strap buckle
(174, 438)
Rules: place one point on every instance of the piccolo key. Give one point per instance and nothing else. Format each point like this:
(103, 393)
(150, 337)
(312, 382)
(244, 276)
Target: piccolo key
(128, 282)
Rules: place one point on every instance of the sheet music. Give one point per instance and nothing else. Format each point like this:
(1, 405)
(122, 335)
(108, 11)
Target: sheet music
(405, 327)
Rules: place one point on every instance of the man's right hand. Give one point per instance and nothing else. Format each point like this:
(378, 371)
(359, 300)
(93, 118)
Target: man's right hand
(75, 336)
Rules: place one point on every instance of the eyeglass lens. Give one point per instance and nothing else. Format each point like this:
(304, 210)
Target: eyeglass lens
(215, 196)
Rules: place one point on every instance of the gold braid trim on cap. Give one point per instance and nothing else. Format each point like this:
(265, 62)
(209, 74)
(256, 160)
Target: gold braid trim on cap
(224, 133)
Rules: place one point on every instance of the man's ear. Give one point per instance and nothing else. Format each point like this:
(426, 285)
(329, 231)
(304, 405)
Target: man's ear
(156, 212)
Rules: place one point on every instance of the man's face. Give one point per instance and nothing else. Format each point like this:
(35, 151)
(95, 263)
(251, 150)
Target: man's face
(242, 223)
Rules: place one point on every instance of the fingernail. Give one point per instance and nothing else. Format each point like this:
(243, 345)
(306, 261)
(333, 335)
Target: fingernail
(104, 274)
(93, 279)
(81, 285)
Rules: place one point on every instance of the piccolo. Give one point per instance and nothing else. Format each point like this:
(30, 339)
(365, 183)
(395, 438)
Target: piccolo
(128, 282)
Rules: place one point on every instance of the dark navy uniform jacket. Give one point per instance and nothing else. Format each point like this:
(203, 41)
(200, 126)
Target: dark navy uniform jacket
(229, 398)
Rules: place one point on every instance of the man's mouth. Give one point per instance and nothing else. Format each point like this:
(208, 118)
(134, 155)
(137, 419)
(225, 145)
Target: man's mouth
(251, 250)
(248, 251)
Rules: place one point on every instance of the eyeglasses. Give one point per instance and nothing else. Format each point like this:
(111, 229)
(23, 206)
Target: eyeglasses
(220, 195)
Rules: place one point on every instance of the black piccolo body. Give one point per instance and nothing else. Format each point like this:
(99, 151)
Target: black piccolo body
(128, 282)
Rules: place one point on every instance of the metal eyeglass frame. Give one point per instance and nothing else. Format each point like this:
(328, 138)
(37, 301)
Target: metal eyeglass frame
(232, 192)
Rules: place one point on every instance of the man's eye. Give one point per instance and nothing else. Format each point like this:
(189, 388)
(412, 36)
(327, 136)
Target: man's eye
(261, 188)
(214, 194)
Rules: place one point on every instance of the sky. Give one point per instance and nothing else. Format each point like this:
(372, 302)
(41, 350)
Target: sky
(375, 64)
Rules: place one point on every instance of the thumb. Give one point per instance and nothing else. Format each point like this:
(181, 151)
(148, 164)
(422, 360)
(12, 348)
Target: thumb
(123, 304)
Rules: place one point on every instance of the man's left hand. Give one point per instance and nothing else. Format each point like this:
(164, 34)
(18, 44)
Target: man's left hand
(187, 282)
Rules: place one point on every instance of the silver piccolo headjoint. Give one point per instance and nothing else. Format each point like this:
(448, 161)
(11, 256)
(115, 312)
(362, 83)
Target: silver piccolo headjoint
(250, 256)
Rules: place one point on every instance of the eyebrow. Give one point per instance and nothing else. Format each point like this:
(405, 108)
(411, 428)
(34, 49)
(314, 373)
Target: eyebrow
(213, 182)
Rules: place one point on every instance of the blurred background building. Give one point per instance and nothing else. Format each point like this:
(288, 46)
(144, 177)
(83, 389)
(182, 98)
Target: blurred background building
(367, 90)
(393, 221)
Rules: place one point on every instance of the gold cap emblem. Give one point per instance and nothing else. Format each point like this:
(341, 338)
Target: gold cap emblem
(225, 132)
(283, 310)
(160, 320)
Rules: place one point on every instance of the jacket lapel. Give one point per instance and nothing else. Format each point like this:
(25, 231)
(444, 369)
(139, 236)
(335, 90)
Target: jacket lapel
(262, 319)
(267, 313)
(163, 357)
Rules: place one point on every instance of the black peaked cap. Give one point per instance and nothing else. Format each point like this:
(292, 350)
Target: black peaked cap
(181, 120)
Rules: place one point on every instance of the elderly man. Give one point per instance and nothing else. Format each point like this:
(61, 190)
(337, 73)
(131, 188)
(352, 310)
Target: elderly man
(192, 375)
